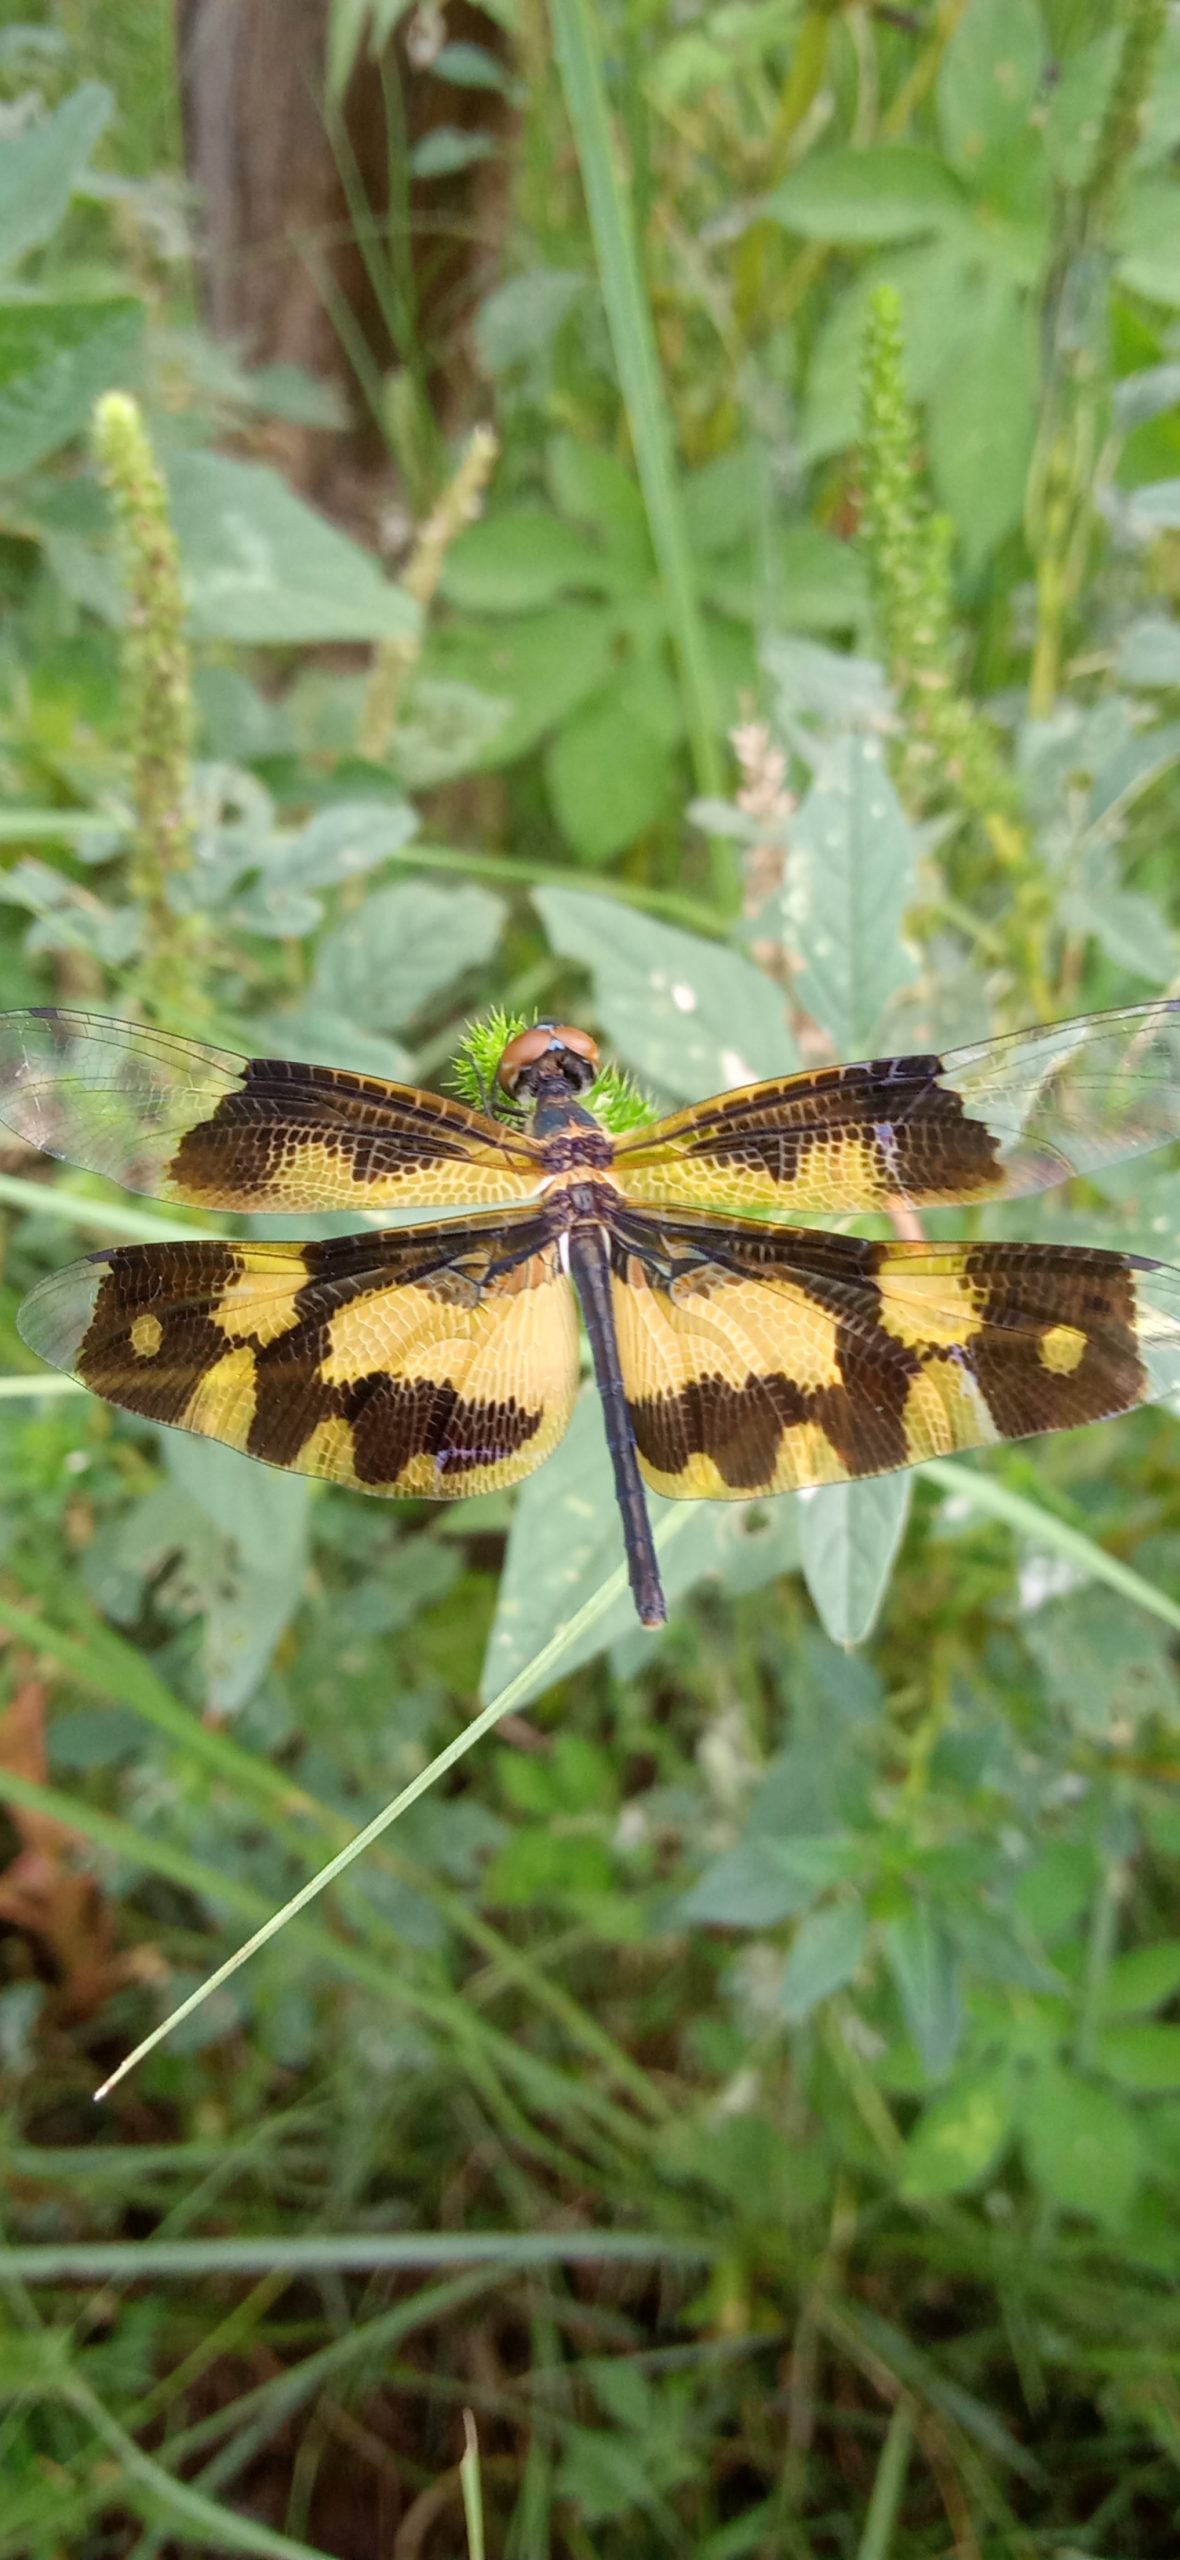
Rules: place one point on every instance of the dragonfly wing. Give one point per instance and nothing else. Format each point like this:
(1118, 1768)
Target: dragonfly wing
(432, 1361)
(189, 1123)
(987, 1122)
(761, 1360)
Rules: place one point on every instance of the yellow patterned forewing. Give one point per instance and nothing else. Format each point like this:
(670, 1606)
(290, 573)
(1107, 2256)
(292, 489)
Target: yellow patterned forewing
(189, 1123)
(1002, 1117)
(439, 1362)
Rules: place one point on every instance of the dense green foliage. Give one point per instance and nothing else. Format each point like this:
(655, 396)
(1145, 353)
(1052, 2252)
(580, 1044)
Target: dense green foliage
(750, 2084)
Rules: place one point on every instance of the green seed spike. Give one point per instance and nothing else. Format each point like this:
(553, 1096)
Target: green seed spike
(473, 1068)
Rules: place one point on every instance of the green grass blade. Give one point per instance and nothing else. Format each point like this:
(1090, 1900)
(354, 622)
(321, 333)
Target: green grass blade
(578, 33)
(341, 2253)
(543, 1663)
(469, 2481)
(1044, 1529)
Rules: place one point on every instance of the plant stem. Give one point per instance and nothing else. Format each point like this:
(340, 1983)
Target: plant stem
(579, 53)
(459, 504)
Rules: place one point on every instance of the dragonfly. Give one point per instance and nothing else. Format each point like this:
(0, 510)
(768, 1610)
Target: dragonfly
(738, 1350)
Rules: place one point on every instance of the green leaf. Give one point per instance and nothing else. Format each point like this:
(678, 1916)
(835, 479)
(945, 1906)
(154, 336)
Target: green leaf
(1127, 925)
(1152, 508)
(762, 1881)
(926, 1970)
(385, 963)
(344, 841)
(959, 2137)
(828, 1950)
(890, 191)
(517, 324)
(55, 359)
(689, 1016)
(261, 567)
(1081, 2144)
(1149, 652)
(1147, 235)
(1146, 2058)
(594, 489)
(566, 1537)
(849, 1535)
(989, 79)
(609, 776)
(849, 882)
(541, 665)
(983, 421)
(937, 283)
(520, 558)
(1073, 119)
(1142, 1979)
(250, 1582)
(1103, 1661)
(447, 148)
(40, 168)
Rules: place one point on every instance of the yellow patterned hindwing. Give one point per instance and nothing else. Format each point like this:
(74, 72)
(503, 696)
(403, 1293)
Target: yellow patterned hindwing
(437, 1362)
(189, 1123)
(758, 1360)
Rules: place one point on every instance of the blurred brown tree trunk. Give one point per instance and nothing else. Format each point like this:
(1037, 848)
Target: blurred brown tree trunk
(273, 207)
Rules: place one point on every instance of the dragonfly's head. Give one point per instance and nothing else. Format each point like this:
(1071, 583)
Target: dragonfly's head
(551, 1057)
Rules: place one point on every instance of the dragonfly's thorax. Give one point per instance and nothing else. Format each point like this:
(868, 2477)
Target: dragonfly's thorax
(568, 1132)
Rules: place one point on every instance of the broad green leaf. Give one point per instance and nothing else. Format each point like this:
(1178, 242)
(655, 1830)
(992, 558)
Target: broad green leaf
(805, 578)
(385, 963)
(887, 192)
(596, 490)
(1144, 2057)
(959, 2137)
(1137, 760)
(1073, 118)
(849, 1535)
(1104, 1662)
(828, 1950)
(445, 729)
(926, 1970)
(1128, 926)
(325, 1039)
(1081, 2144)
(609, 776)
(1147, 235)
(983, 421)
(691, 1015)
(448, 148)
(750, 1887)
(518, 323)
(937, 282)
(540, 664)
(346, 840)
(55, 359)
(989, 79)
(1149, 652)
(850, 879)
(519, 558)
(566, 1537)
(1142, 1979)
(40, 168)
(1152, 509)
(263, 568)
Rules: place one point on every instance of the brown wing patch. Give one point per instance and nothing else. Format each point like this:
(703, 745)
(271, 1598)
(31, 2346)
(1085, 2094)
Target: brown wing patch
(999, 1118)
(438, 1362)
(761, 1361)
(189, 1123)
